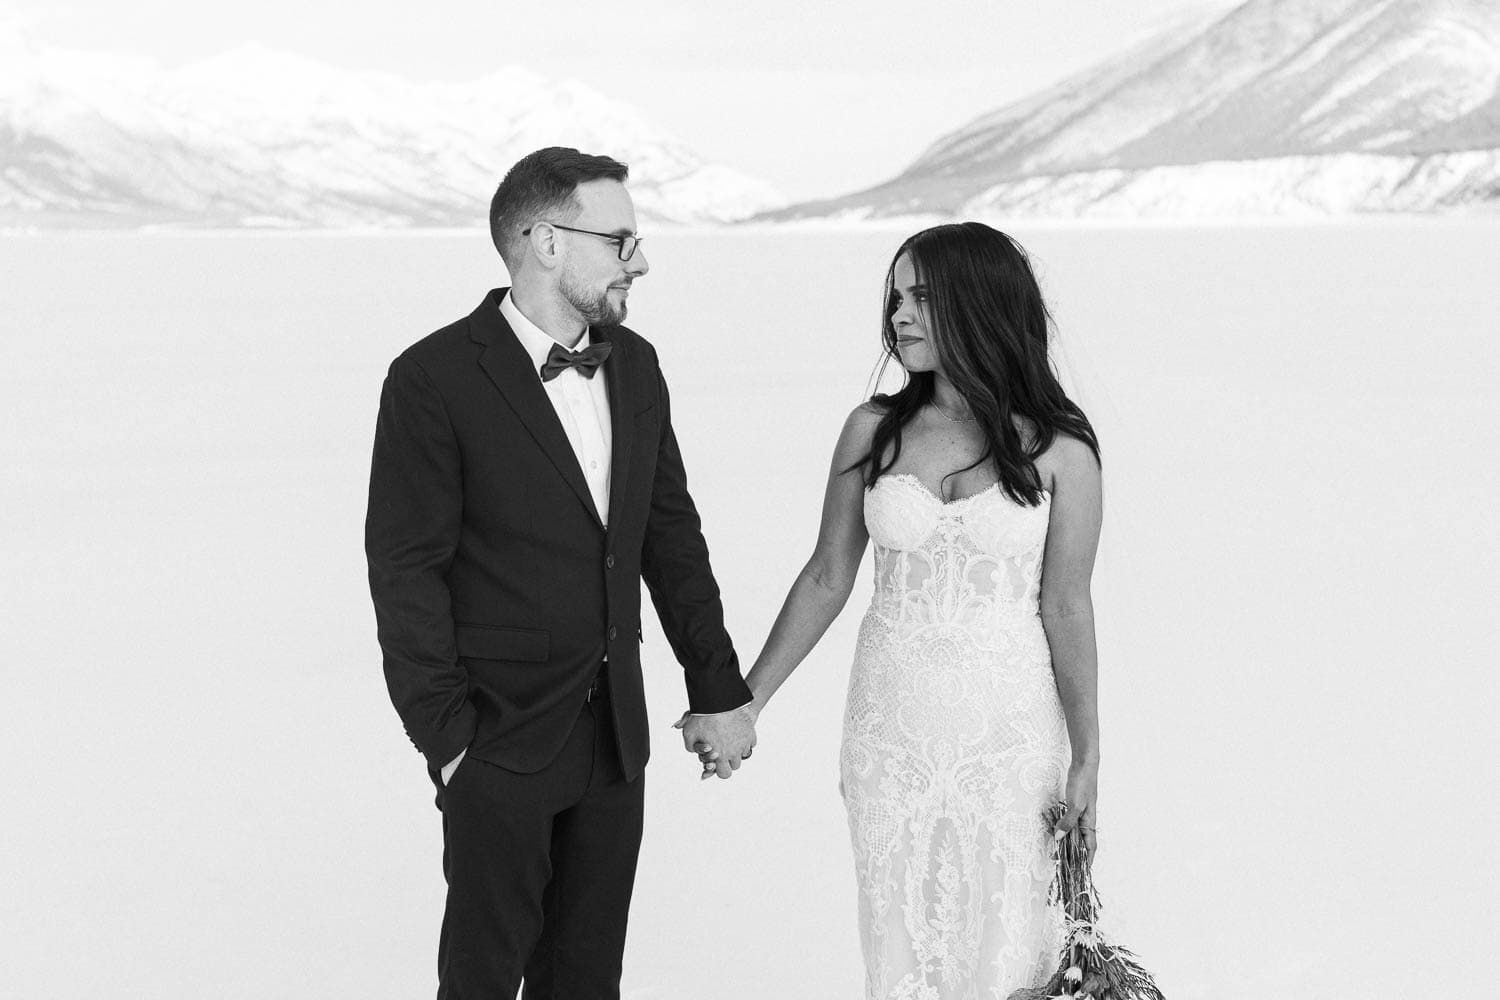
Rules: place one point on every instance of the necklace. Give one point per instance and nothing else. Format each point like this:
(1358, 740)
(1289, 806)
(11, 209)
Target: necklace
(952, 420)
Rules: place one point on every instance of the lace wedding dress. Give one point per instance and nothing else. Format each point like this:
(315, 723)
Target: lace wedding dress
(954, 745)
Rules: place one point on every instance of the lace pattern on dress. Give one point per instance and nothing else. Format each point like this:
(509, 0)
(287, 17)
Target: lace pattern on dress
(954, 744)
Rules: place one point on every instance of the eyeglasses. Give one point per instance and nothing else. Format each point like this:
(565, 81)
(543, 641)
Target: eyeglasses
(626, 244)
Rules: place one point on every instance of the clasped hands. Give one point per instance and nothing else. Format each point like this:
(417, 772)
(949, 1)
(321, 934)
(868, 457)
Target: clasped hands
(721, 741)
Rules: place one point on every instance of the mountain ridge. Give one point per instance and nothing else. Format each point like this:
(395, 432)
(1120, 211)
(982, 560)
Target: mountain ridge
(1321, 105)
(259, 137)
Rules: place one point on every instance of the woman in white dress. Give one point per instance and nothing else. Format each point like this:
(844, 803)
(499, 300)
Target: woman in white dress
(971, 703)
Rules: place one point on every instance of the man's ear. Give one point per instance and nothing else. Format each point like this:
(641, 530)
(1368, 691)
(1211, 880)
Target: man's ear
(545, 249)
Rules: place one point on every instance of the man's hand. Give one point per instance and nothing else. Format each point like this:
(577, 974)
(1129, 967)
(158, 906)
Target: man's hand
(721, 741)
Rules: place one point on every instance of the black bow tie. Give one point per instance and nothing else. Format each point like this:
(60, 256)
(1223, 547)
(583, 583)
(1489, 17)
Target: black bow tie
(587, 361)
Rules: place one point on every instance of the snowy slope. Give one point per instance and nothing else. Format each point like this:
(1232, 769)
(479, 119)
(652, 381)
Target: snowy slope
(1273, 107)
(260, 137)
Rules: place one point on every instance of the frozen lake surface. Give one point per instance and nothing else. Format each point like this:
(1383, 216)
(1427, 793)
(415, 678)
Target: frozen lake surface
(210, 795)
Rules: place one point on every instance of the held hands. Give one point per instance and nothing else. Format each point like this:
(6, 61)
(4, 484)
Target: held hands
(721, 741)
(1082, 806)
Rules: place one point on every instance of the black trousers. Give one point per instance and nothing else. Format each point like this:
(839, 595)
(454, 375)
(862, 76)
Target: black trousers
(540, 869)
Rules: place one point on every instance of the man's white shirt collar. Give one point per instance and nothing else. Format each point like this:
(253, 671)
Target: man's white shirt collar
(532, 337)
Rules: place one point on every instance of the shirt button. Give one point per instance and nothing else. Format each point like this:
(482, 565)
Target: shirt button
(609, 562)
(593, 465)
(613, 632)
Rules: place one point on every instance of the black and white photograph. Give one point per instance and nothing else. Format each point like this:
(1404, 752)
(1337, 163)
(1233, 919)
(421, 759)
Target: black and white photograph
(685, 501)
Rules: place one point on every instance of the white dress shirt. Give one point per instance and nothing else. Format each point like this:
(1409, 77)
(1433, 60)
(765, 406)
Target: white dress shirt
(582, 404)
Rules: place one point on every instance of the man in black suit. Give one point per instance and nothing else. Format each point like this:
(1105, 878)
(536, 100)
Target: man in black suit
(525, 479)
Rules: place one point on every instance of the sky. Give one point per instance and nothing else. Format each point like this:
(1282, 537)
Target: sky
(852, 91)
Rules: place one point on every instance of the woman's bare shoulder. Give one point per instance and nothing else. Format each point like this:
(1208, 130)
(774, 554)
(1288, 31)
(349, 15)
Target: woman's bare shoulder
(1067, 458)
(858, 433)
(865, 417)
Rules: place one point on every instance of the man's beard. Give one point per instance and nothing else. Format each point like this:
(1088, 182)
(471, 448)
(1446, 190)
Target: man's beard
(594, 307)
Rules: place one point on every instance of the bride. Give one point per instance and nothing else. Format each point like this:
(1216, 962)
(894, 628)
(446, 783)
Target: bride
(971, 704)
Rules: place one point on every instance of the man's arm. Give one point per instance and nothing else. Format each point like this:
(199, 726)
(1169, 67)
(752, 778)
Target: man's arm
(411, 532)
(675, 566)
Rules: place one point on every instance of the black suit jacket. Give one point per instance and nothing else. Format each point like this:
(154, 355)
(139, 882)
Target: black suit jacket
(497, 588)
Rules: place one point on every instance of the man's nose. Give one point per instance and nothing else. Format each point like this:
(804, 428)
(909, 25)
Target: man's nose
(637, 265)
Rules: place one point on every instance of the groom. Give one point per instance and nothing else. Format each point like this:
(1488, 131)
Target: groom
(525, 479)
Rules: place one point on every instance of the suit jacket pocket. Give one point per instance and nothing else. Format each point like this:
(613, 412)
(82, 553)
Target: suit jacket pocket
(496, 642)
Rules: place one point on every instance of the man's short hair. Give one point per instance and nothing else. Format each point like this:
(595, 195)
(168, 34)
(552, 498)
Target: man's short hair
(539, 188)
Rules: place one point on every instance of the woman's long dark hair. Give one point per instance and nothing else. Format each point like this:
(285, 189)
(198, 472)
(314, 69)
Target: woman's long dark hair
(989, 327)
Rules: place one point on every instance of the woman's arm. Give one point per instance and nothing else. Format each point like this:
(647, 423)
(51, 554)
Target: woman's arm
(1067, 610)
(822, 588)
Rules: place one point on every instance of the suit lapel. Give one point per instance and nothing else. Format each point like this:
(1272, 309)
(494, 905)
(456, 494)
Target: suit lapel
(508, 365)
(621, 418)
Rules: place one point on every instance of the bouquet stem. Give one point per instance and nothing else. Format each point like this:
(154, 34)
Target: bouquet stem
(1089, 967)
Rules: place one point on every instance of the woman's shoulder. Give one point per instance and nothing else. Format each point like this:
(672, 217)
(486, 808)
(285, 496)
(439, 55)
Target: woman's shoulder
(858, 433)
(1070, 448)
(1068, 457)
(868, 414)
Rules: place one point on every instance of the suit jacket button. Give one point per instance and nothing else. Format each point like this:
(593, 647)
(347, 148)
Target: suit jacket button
(613, 631)
(609, 562)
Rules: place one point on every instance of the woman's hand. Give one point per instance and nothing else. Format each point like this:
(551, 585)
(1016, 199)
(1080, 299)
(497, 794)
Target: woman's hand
(708, 754)
(1081, 799)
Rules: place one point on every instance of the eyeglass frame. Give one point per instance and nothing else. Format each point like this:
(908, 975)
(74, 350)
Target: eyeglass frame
(615, 238)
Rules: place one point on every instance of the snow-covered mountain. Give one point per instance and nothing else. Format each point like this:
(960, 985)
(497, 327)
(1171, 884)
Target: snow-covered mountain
(257, 137)
(1273, 107)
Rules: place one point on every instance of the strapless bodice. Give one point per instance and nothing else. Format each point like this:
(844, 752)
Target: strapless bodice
(976, 561)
